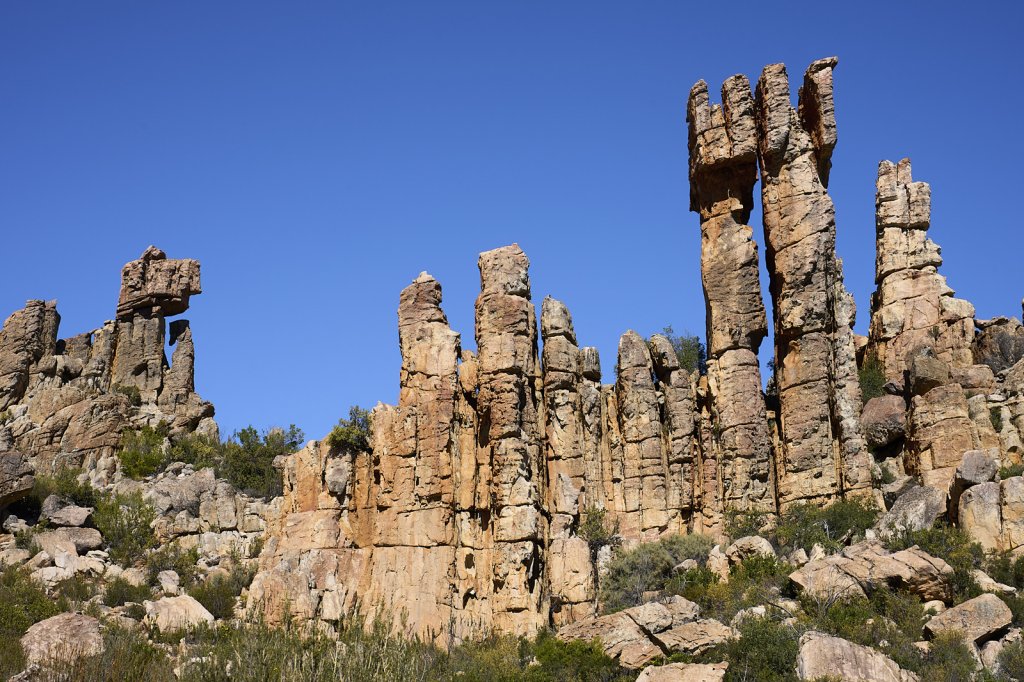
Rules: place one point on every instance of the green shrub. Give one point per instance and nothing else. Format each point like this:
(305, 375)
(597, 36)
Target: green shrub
(125, 522)
(804, 525)
(596, 528)
(220, 592)
(949, 659)
(995, 415)
(754, 581)
(130, 392)
(352, 434)
(954, 546)
(120, 592)
(689, 349)
(77, 588)
(741, 524)
(558, 661)
(142, 451)
(5, 416)
(248, 459)
(872, 377)
(1011, 470)
(647, 568)
(765, 651)
(1011, 661)
(22, 604)
(196, 449)
(173, 558)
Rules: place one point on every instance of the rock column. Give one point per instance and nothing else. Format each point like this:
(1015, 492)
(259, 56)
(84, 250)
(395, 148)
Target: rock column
(723, 170)
(823, 454)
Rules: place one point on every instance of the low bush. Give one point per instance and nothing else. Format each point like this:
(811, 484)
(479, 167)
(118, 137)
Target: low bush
(196, 449)
(130, 392)
(840, 523)
(648, 568)
(352, 434)
(1011, 661)
(76, 589)
(247, 460)
(127, 657)
(755, 581)
(765, 651)
(741, 524)
(143, 451)
(1010, 470)
(949, 659)
(220, 592)
(872, 377)
(173, 558)
(125, 522)
(598, 530)
(120, 592)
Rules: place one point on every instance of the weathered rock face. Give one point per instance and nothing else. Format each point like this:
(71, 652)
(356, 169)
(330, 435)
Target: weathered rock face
(822, 452)
(999, 343)
(67, 401)
(723, 169)
(912, 305)
(825, 657)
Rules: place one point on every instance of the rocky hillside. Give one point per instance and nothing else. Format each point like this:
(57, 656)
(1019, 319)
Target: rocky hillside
(861, 518)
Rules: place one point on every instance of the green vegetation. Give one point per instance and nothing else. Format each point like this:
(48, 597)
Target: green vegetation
(76, 589)
(173, 558)
(127, 657)
(120, 592)
(765, 651)
(125, 522)
(689, 349)
(142, 451)
(1011, 470)
(995, 415)
(352, 434)
(648, 568)
(246, 460)
(597, 530)
(954, 546)
(757, 580)
(22, 604)
(220, 592)
(130, 392)
(872, 377)
(840, 523)
(1011, 661)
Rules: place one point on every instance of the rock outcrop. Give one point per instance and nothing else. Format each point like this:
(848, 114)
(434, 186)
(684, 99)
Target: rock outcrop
(67, 401)
(822, 453)
(823, 656)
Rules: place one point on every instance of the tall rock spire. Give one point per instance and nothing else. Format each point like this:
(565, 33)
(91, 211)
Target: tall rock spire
(723, 170)
(823, 453)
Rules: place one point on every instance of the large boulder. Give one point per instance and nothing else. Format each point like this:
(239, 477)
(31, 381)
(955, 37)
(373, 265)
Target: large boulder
(916, 509)
(883, 420)
(16, 479)
(65, 637)
(927, 372)
(170, 614)
(1000, 343)
(862, 568)
(823, 656)
(977, 467)
(750, 546)
(978, 619)
(59, 511)
(684, 672)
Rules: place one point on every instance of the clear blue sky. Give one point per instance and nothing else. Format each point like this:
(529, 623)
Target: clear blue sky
(316, 156)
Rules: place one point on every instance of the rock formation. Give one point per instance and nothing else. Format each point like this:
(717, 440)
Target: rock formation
(67, 401)
(912, 305)
(822, 453)
(723, 170)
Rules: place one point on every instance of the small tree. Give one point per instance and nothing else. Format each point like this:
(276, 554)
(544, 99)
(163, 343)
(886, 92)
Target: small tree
(872, 377)
(689, 349)
(352, 433)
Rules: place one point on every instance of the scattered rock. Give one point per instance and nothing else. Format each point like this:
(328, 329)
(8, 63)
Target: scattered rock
(64, 637)
(170, 614)
(977, 618)
(823, 656)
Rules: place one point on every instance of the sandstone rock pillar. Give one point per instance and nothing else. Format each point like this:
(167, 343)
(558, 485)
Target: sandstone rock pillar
(912, 305)
(823, 454)
(509, 436)
(723, 170)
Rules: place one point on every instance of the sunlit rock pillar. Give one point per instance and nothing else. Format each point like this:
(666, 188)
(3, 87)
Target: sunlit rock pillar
(28, 336)
(509, 434)
(677, 418)
(823, 454)
(571, 574)
(723, 170)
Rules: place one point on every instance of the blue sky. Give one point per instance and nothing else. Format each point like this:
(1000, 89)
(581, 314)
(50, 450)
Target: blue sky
(316, 156)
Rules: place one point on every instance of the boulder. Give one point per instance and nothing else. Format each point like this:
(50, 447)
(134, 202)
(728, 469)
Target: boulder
(684, 672)
(916, 509)
(978, 619)
(883, 420)
(744, 548)
(16, 479)
(169, 581)
(695, 637)
(65, 637)
(823, 656)
(58, 511)
(927, 372)
(718, 563)
(977, 467)
(81, 539)
(170, 614)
